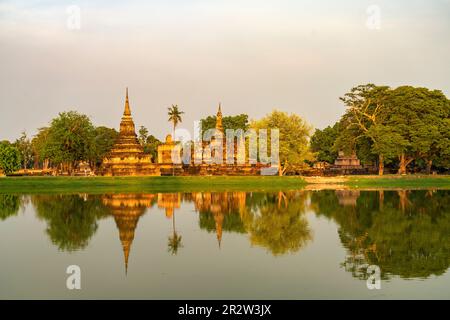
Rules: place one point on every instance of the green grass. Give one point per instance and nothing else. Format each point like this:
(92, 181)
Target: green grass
(31, 185)
(396, 181)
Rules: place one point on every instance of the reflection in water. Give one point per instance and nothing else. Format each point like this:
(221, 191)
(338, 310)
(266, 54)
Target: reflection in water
(170, 202)
(9, 205)
(127, 209)
(404, 232)
(71, 219)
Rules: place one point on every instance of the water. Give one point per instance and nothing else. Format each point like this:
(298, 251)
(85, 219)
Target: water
(238, 245)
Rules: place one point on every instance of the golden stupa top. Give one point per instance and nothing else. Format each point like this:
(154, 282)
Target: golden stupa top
(127, 111)
(219, 125)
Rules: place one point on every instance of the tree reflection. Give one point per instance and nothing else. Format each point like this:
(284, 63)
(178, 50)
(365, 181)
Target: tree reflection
(273, 221)
(9, 205)
(405, 233)
(279, 225)
(71, 219)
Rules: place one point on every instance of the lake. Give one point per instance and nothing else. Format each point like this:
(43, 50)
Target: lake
(295, 244)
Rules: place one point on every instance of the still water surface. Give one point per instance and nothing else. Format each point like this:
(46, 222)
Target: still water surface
(236, 245)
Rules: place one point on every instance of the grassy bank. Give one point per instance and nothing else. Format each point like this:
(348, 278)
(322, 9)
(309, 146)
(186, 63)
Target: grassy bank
(396, 181)
(145, 184)
(31, 185)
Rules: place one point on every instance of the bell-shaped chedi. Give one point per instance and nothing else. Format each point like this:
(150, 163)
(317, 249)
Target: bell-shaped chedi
(127, 157)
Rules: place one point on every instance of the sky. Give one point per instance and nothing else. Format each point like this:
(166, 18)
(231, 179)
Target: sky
(253, 56)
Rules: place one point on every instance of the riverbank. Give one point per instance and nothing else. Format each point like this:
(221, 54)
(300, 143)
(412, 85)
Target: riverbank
(146, 184)
(216, 183)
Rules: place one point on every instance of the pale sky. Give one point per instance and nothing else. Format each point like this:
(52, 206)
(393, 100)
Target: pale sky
(250, 55)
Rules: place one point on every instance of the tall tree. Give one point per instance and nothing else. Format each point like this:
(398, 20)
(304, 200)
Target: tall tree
(174, 114)
(366, 107)
(70, 139)
(322, 143)
(103, 142)
(420, 116)
(294, 135)
(10, 159)
(24, 146)
(39, 145)
(151, 146)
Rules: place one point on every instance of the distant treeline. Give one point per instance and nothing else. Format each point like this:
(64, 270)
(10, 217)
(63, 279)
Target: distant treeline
(404, 129)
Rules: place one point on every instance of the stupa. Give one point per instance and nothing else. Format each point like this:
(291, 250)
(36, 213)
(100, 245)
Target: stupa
(127, 157)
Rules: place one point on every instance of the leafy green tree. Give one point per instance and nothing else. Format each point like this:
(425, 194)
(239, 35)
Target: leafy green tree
(40, 147)
(322, 143)
(10, 159)
(420, 116)
(151, 146)
(366, 107)
(70, 139)
(103, 142)
(405, 123)
(24, 146)
(294, 135)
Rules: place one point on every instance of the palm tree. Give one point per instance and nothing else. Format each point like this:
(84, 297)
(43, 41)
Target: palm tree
(174, 117)
(175, 240)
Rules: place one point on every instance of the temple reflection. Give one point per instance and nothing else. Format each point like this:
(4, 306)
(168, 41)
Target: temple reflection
(126, 210)
(404, 232)
(220, 206)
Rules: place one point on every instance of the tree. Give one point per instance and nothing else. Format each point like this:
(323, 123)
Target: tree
(151, 146)
(366, 107)
(104, 140)
(39, 145)
(174, 117)
(420, 116)
(322, 143)
(143, 135)
(236, 122)
(10, 159)
(24, 146)
(70, 140)
(294, 135)
(406, 123)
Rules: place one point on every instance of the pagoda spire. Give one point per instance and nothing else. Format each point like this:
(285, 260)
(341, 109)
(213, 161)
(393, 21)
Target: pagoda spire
(126, 252)
(127, 111)
(219, 125)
